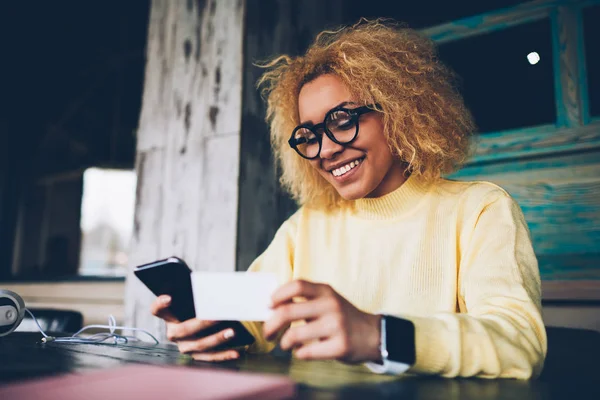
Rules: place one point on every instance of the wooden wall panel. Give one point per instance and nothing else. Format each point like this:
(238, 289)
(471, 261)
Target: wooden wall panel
(572, 316)
(273, 27)
(552, 171)
(11, 158)
(95, 300)
(188, 143)
(560, 197)
(536, 142)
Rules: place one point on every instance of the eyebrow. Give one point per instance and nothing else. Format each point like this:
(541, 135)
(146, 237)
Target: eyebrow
(342, 104)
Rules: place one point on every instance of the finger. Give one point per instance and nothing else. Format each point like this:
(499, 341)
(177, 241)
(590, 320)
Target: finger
(287, 313)
(216, 356)
(184, 330)
(297, 288)
(206, 343)
(322, 350)
(302, 335)
(160, 308)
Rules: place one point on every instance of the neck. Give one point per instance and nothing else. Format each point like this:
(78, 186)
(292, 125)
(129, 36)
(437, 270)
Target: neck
(402, 201)
(394, 178)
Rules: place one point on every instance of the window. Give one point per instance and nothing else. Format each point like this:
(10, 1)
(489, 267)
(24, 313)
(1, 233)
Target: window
(107, 212)
(591, 33)
(506, 76)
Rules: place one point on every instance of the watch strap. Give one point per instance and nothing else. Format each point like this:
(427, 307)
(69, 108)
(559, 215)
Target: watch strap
(391, 365)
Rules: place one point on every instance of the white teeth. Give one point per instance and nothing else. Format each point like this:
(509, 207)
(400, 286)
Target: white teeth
(345, 168)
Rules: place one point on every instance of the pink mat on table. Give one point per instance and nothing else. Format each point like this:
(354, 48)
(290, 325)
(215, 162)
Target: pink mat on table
(153, 382)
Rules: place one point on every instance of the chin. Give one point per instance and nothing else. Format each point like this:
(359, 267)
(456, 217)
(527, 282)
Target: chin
(349, 193)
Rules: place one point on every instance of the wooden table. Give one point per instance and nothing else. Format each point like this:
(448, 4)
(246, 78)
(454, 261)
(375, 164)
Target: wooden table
(22, 356)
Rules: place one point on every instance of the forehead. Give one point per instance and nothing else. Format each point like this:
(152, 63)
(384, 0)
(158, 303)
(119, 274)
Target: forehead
(321, 95)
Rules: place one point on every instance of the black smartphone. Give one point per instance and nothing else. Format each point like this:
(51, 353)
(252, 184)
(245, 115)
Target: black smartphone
(172, 277)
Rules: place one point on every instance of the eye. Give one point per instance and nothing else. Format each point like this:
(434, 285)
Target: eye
(340, 120)
(305, 136)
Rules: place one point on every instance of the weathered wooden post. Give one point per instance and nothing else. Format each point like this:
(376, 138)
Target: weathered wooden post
(188, 143)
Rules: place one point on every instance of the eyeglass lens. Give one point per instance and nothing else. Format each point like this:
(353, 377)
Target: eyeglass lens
(341, 124)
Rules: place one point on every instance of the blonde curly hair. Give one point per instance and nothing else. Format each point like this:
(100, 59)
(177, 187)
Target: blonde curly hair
(381, 62)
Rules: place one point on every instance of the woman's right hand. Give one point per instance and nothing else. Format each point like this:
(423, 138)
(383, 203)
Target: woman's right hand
(183, 334)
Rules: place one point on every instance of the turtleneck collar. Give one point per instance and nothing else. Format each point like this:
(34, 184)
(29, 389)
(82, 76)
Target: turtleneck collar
(394, 204)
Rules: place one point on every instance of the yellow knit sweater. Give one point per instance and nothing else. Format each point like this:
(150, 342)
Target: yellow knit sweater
(455, 258)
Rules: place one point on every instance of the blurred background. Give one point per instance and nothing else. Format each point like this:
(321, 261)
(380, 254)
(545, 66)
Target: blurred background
(132, 131)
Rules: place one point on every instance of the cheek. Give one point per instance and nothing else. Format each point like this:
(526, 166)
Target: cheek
(315, 164)
(381, 155)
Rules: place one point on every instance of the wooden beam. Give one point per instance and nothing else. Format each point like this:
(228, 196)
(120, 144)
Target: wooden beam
(118, 93)
(492, 21)
(569, 64)
(95, 300)
(286, 28)
(583, 166)
(537, 141)
(571, 290)
(9, 195)
(499, 19)
(187, 159)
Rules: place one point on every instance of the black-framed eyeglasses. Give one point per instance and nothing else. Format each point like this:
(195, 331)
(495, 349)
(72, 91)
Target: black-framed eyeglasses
(340, 125)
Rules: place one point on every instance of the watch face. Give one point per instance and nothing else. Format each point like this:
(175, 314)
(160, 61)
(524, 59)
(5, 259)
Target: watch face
(400, 340)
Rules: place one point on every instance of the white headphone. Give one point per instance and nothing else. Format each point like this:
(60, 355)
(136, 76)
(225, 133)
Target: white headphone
(12, 311)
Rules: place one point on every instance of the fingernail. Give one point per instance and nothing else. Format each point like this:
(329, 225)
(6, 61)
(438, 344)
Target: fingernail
(165, 299)
(228, 334)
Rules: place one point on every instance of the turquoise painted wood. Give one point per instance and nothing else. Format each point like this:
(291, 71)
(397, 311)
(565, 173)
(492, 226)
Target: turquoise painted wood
(539, 141)
(560, 72)
(560, 198)
(552, 171)
(569, 65)
(500, 19)
(582, 65)
(492, 21)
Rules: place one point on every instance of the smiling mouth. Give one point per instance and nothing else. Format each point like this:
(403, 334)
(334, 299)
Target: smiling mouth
(344, 169)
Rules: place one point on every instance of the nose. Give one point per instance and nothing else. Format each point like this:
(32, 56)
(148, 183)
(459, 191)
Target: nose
(329, 148)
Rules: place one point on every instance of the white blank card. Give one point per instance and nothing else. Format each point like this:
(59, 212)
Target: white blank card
(233, 296)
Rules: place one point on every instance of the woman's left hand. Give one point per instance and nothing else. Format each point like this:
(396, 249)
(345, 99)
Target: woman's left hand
(334, 328)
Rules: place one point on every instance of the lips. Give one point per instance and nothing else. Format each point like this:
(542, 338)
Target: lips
(344, 169)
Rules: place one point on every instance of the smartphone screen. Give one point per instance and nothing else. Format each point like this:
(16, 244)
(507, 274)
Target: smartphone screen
(172, 277)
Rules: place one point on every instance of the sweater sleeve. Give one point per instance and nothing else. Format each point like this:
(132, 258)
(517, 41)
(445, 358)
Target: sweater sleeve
(499, 332)
(278, 259)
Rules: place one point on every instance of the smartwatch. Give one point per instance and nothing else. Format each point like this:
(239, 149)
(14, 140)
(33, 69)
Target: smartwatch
(397, 346)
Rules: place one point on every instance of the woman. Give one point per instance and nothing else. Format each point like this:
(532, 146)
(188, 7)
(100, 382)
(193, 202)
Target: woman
(395, 266)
